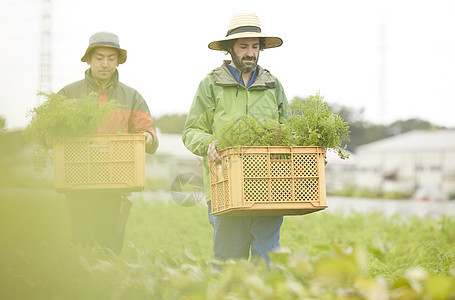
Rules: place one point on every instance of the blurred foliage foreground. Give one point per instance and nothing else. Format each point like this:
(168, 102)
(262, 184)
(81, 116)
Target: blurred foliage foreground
(167, 255)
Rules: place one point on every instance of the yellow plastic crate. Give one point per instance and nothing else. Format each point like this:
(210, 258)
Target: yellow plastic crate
(113, 162)
(268, 181)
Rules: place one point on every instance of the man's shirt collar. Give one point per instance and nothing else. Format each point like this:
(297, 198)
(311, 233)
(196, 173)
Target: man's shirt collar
(236, 75)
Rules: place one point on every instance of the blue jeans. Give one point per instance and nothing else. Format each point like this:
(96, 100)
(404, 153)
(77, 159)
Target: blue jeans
(234, 237)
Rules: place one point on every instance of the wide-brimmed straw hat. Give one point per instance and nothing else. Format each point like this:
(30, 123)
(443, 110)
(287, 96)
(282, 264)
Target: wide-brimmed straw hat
(105, 39)
(246, 25)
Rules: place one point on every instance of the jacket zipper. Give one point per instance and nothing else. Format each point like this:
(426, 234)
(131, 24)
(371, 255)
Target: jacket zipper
(247, 98)
(238, 84)
(237, 92)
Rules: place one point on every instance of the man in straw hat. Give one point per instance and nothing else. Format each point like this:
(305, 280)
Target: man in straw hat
(101, 217)
(238, 87)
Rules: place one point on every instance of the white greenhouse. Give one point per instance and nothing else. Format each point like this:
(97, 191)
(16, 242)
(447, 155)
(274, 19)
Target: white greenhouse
(416, 160)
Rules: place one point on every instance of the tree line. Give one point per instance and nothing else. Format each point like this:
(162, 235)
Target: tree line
(362, 131)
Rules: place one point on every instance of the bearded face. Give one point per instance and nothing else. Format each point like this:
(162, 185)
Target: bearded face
(245, 54)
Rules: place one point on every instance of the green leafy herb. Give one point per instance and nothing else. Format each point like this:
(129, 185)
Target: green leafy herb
(311, 124)
(314, 124)
(247, 131)
(59, 118)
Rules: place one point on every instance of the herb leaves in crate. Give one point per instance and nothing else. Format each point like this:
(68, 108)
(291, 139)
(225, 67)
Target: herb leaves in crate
(59, 118)
(311, 123)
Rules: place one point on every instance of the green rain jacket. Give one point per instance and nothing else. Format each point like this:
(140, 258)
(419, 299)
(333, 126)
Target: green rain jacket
(220, 98)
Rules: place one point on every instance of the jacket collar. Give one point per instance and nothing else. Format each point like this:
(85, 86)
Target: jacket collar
(89, 78)
(237, 78)
(223, 77)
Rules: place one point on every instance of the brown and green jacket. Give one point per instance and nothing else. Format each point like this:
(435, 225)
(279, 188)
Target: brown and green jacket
(133, 117)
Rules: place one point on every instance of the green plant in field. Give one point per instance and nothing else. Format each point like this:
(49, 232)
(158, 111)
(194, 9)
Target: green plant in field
(59, 118)
(311, 124)
(355, 256)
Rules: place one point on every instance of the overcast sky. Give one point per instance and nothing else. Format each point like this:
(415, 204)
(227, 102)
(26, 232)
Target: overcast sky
(329, 46)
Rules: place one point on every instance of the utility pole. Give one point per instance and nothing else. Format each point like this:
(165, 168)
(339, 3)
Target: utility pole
(382, 101)
(45, 75)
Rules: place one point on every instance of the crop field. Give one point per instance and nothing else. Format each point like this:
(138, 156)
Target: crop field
(167, 255)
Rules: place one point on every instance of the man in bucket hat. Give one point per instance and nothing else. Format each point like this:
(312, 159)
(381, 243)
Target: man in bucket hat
(100, 217)
(238, 87)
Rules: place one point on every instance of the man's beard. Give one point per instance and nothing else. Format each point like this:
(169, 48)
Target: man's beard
(238, 62)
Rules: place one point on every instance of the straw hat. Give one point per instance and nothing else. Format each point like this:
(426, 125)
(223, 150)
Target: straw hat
(105, 39)
(246, 25)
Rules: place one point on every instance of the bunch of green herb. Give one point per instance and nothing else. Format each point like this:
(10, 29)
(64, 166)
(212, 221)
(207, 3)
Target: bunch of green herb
(314, 124)
(247, 131)
(311, 123)
(59, 118)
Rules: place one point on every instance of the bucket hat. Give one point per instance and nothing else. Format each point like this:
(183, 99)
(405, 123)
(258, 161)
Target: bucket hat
(246, 25)
(105, 39)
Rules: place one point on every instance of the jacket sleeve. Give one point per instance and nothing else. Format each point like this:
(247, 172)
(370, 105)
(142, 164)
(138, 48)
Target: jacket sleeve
(282, 102)
(198, 126)
(141, 121)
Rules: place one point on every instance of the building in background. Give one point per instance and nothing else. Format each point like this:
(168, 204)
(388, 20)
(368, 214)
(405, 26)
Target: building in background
(170, 160)
(419, 160)
(339, 172)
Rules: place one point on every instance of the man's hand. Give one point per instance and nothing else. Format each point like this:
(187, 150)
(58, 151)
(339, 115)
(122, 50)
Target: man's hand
(211, 152)
(149, 138)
